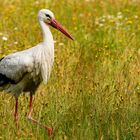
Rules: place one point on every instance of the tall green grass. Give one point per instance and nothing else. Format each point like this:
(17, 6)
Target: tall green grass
(94, 89)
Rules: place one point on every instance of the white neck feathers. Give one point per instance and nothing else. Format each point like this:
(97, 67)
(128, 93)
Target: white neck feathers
(47, 53)
(47, 35)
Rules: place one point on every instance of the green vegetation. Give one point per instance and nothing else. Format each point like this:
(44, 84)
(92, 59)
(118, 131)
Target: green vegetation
(94, 89)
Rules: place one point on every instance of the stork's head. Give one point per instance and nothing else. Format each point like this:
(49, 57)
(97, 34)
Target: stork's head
(47, 17)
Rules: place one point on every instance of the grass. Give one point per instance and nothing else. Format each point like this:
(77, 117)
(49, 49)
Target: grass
(94, 89)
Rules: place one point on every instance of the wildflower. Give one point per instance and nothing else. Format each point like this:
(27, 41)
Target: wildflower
(101, 25)
(103, 20)
(119, 16)
(118, 24)
(75, 28)
(97, 21)
(81, 15)
(36, 2)
(87, 0)
(119, 13)
(74, 18)
(103, 16)
(136, 17)
(15, 28)
(120, 41)
(55, 41)
(61, 44)
(4, 38)
(126, 18)
(129, 22)
(110, 17)
(15, 42)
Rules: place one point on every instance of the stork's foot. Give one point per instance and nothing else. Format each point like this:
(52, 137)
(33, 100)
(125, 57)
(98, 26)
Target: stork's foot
(49, 129)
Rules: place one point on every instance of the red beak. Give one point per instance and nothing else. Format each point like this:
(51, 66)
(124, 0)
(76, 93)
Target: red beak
(59, 27)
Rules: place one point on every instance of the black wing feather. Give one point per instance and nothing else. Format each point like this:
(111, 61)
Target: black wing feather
(5, 80)
(1, 58)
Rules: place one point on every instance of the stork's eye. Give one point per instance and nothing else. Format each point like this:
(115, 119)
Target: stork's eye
(47, 15)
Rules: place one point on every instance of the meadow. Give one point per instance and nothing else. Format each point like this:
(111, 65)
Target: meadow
(94, 89)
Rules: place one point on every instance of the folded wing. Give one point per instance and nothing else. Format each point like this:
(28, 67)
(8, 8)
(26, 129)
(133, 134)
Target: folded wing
(14, 67)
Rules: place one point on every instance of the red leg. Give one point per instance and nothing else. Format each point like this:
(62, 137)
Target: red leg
(30, 106)
(16, 111)
(35, 121)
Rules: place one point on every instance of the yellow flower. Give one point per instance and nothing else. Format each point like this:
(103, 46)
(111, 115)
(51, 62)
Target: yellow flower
(129, 22)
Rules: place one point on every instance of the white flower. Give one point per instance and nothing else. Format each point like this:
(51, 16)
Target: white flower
(55, 41)
(103, 20)
(119, 16)
(118, 24)
(101, 25)
(4, 38)
(89, 0)
(36, 2)
(61, 44)
(110, 16)
(15, 28)
(136, 17)
(15, 42)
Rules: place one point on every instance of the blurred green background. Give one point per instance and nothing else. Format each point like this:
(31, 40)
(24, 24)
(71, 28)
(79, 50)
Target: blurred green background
(94, 89)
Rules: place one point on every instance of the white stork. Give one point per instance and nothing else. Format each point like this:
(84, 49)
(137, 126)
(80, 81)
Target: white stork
(23, 71)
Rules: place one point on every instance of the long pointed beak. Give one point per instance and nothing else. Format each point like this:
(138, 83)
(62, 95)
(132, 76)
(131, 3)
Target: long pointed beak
(59, 27)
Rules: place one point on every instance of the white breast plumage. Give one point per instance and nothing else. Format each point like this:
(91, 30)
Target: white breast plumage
(43, 62)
